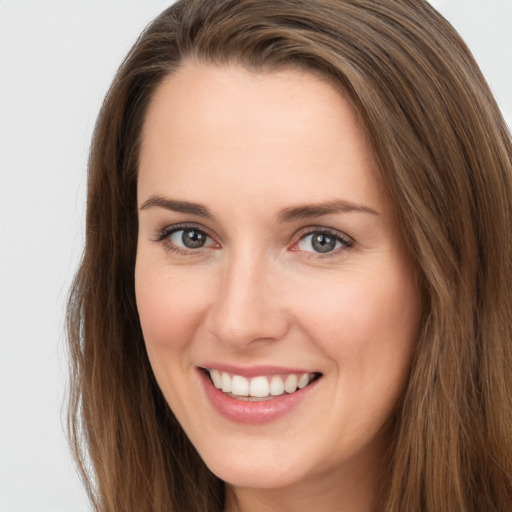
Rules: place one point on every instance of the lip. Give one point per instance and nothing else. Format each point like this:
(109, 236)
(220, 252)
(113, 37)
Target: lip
(247, 412)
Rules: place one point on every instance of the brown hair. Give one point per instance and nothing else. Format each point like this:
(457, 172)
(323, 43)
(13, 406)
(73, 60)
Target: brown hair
(446, 156)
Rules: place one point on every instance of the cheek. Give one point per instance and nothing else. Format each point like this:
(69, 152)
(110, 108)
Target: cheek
(365, 323)
(170, 309)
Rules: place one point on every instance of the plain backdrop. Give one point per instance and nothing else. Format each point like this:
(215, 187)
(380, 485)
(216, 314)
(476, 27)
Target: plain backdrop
(57, 58)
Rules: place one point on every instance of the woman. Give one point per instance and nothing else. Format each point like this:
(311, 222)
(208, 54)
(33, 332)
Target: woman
(296, 287)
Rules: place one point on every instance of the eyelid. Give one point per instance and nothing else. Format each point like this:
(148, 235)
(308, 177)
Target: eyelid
(309, 230)
(346, 241)
(163, 233)
(163, 237)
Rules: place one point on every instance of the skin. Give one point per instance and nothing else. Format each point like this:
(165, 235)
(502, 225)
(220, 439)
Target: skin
(247, 145)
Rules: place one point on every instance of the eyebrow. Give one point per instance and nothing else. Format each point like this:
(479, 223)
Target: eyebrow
(317, 210)
(291, 214)
(177, 206)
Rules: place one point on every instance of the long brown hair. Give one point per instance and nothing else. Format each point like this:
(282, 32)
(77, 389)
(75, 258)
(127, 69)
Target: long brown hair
(446, 156)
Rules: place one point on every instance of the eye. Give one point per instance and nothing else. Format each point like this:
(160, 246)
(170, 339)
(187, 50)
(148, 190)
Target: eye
(185, 238)
(323, 242)
(189, 238)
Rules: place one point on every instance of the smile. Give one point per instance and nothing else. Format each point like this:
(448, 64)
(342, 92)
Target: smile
(259, 396)
(259, 387)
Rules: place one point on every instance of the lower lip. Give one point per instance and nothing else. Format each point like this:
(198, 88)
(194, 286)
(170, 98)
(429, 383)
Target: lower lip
(243, 411)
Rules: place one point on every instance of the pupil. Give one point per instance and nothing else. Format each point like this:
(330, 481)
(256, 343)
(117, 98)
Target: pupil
(323, 243)
(193, 239)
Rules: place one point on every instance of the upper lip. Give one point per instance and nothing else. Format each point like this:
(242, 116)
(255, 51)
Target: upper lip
(254, 371)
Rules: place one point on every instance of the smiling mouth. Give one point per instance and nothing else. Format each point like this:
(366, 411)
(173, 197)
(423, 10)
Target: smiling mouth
(260, 388)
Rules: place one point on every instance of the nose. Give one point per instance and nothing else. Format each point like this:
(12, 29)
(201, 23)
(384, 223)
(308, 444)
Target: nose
(248, 309)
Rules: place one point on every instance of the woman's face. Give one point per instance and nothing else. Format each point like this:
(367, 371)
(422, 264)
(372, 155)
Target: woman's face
(269, 261)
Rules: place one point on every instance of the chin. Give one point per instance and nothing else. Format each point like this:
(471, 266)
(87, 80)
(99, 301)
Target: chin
(253, 462)
(254, 474)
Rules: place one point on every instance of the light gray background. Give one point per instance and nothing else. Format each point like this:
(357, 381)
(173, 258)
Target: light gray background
(57, 58)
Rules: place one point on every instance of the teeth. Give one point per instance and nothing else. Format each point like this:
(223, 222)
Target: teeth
(225, 382)
(290, 384)
(239, 386)
(303, 381)
(216, 378)
(276, 386)
(259, 387)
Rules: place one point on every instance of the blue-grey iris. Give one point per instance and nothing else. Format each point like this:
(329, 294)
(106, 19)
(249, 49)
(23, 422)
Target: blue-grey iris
(193, 239)
(323, 243)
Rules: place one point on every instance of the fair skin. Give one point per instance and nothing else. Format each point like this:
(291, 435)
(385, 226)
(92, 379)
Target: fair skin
(234, 274)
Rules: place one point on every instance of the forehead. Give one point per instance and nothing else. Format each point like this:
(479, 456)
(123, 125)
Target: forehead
(264, 132)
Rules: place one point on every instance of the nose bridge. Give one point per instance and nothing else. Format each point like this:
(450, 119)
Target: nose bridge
(246, 308)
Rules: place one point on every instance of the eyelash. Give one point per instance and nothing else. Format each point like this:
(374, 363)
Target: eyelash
(345, 241)
(164, 237)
